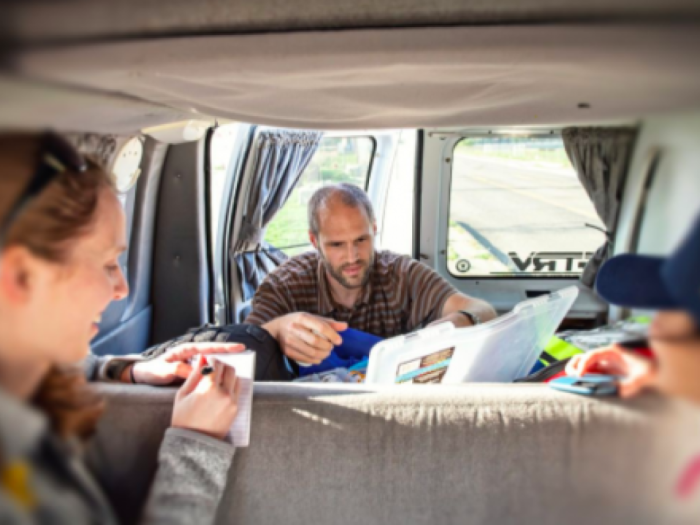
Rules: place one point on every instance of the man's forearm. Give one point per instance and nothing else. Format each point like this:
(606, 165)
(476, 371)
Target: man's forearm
(458, 302)
(484, 310)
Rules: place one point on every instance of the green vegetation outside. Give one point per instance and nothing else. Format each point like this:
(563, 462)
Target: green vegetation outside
(337, 160)
(544, 152)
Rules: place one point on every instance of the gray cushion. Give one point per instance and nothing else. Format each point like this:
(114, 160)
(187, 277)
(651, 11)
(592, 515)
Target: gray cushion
(477, 454)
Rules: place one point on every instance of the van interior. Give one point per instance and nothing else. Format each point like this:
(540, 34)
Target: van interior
(469, 124)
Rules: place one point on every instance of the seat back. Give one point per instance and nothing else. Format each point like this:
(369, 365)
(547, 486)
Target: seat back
(478, 454)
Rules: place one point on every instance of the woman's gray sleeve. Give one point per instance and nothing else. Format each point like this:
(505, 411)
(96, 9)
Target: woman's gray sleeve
(191, 478)
(108, 367)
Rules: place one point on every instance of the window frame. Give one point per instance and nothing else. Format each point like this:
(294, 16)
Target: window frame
(444, 226)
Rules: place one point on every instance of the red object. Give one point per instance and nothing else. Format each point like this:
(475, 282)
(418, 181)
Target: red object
(690, 479)
(560, 374)
(645, 352)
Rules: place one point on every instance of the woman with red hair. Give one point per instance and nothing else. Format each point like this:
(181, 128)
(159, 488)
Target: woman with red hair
(62, 229)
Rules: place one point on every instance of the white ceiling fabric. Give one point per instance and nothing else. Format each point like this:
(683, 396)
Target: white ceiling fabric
(31, 105)
(439, 77)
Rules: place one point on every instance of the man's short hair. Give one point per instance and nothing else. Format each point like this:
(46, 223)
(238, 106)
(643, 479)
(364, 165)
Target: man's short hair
(349, 194)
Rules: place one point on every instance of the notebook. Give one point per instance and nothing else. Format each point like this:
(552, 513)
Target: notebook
(244, 363)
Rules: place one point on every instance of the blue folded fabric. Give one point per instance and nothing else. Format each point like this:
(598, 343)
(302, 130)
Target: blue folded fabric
(539, 365)
(355, 347)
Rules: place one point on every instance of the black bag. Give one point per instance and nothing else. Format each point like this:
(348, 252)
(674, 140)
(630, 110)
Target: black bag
(269, 361)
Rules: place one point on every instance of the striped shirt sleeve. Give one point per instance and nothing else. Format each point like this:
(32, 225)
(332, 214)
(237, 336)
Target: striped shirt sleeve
(271, 300)
(428, 293)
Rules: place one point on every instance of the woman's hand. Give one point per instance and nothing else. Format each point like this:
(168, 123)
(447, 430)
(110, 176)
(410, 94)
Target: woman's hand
(208, 400)
(636, 372)
(174, 366)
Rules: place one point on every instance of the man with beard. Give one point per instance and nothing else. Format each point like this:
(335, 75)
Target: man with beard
(308, 301)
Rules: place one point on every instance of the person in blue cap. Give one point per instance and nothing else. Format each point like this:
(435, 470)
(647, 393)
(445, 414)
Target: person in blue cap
(671, 286)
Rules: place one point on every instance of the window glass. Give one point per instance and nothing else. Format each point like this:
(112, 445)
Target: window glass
(517, 209)
(397, 226)
(221, 148)
(338, 159)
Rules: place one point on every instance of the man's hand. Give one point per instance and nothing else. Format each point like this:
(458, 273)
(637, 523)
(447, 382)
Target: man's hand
(174, 366)
(306, 338)
(636, 372)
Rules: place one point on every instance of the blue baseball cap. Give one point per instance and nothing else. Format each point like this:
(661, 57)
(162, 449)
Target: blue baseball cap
(656, 283)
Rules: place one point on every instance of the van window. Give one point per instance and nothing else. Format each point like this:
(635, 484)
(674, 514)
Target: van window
(397, 224)
(338, 159)
(517, 209)
(221, 150)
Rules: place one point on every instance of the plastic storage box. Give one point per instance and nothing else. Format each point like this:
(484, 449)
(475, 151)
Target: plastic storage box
(499, 351)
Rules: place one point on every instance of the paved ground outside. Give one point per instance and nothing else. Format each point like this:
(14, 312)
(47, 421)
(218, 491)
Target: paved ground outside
(503, 211)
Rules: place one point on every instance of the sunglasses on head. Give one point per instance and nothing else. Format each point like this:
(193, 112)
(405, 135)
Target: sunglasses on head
(55, 156)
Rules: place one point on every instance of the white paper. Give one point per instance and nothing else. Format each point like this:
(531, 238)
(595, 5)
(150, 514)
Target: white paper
(244, 363)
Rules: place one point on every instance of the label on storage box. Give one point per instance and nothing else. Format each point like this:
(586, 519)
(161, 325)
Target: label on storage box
(430, 368)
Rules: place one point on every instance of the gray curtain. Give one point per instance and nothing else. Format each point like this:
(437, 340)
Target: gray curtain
(280, 159)
(601, 158)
